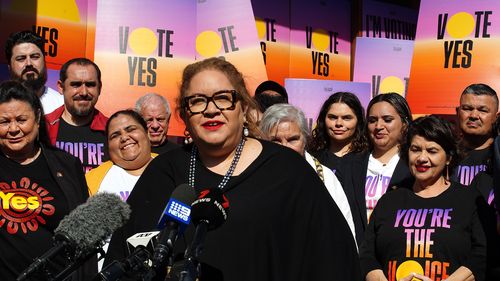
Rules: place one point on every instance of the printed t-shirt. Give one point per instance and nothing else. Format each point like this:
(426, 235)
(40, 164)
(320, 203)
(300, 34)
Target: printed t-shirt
(82, 142)
(475, 161)
(431, 236)
(378, 177)
(32, 205)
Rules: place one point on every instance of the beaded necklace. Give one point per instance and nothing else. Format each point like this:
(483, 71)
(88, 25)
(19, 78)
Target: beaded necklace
(229, 173)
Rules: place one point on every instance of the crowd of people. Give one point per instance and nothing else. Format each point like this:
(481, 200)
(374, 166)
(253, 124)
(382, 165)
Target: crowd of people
(375, 196)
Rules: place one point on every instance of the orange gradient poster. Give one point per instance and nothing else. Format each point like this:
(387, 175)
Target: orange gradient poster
(67, 26)
(320, 40)
(456, 45)
(272, 19)
(227, 28)
(145, 45)
(143, 48)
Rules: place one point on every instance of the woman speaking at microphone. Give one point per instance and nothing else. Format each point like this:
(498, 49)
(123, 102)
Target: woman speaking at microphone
(282, 224)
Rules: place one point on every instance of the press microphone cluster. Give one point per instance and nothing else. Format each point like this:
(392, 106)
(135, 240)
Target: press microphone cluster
(208, 212)
(152, 251)
(81, 234)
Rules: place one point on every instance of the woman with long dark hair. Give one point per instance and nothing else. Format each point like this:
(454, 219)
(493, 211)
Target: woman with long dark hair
(339, 131)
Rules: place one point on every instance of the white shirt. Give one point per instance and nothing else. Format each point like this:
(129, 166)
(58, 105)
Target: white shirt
(119, 182)
(336, 192)
(378, 177)
(51, 99)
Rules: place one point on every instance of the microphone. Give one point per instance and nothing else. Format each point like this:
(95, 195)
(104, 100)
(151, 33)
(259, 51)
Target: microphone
(173, 222)
(83, 231)
(140, 246)
(208, 212)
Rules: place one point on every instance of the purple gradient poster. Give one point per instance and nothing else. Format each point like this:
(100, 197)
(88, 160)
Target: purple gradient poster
(309, 94)
(142, 47)
(227, 28)
(384, 20)
(272, 19)
(320, 39)
(384, 63)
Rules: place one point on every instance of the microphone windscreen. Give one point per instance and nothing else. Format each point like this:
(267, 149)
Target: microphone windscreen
(211, 206)
(93, 221)
(179, 206)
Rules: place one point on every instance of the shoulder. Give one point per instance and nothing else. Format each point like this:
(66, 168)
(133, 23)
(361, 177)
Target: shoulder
(53, 152)
(396, 194)
(177, 157)
(54, 115)
(464, 192)
(95, 176)
(282, 156)
(100, 171)
(99, 121)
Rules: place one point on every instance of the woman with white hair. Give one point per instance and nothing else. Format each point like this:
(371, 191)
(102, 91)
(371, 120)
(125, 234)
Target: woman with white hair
(285, 124)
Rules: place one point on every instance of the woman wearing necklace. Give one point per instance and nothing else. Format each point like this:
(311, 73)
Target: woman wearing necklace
(282, 224)
(430, 230)
(39, 186)
(367, 176)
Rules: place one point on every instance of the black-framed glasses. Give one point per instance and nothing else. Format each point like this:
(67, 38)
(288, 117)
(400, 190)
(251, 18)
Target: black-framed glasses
(223, 100)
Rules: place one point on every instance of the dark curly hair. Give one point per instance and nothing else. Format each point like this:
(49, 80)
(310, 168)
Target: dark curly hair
(320, 139)
(20, 37)
(436, 129)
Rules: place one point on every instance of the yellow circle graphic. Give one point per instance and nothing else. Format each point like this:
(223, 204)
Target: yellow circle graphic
(460, 25)
(261, 27)
(142, 41)
(61, 9)
(408, 267)
(392, 84)
(208, 43)
(320, 39)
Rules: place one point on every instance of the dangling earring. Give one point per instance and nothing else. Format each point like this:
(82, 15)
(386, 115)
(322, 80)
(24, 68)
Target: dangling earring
(246, 132)
(447, 173)
(187, 137)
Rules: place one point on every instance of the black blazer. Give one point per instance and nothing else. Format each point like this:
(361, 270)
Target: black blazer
(352, 176)
(67, 171)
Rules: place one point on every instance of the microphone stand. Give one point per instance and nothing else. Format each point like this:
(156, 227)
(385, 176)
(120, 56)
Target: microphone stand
(77, 263)
(134, 264)
(191, 269)
(41, 261)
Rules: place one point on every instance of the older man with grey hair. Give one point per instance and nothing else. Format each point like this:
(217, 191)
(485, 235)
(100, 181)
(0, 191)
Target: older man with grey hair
(155, 110)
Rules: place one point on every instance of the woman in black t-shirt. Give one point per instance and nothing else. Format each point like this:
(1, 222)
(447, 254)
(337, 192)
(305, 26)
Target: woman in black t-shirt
(431, 230)
(39, 185)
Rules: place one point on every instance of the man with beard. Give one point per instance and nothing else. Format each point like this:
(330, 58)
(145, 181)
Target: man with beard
(25, 55)
(78, 127)
(155, 110)
(476, 118)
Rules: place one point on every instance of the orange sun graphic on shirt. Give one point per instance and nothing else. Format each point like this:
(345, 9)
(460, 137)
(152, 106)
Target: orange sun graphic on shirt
(24, 206)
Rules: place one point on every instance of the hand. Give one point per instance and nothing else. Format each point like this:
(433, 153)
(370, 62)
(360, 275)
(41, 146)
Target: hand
(415, 277)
